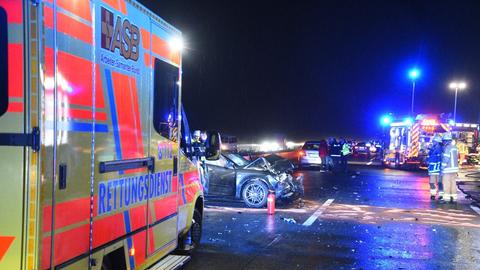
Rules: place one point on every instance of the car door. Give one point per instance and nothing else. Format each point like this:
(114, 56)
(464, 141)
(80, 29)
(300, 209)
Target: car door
(221, 177)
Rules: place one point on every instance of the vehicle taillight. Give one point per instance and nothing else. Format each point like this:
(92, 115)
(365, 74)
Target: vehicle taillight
(301, 153)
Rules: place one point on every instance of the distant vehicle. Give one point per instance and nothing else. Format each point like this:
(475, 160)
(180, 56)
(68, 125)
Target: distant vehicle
(362, 149)
(309, 155)
(233, 175)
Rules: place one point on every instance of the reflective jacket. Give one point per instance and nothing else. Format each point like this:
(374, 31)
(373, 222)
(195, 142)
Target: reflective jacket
(345, 149)
(434, 159)
(450, 159)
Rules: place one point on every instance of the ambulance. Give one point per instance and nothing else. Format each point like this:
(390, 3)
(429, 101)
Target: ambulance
(92, 171)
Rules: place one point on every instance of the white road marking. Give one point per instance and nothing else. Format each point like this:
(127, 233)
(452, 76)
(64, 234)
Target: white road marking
(476, 209)
(317, 213)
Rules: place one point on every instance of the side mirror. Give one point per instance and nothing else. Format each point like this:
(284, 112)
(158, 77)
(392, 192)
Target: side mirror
(213, 146)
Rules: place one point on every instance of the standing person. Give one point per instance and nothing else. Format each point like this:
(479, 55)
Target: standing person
(199, 153)
(344, 153)
(323, 153)
(434, 164)
(462, 151)
(449, 168)
(335, 153)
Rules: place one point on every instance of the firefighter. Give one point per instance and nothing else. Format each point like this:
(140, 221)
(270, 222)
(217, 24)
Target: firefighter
(199, 154)
(462, 151)
(198, 145)
(434, 164)
(449, 168)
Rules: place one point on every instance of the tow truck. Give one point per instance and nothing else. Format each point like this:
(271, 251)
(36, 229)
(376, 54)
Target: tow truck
(410, 138)
(92, 172)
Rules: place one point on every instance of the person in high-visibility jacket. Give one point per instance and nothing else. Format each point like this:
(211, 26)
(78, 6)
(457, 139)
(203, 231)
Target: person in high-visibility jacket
(449, 168)
(434, 164)
(462, 151)
(345, 152)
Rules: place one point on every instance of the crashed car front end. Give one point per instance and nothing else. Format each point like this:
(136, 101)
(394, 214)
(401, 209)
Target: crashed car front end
(289, 186)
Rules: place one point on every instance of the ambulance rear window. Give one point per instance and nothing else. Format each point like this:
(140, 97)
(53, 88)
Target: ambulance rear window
(3, 62)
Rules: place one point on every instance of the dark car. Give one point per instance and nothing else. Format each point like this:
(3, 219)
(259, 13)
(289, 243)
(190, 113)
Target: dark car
(280, 164)
(233, 175)
(362, 149)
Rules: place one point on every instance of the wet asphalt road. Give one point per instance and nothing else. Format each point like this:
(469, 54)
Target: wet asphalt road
(379, 219)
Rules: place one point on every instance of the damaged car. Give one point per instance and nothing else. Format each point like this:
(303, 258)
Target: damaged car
(251, 181)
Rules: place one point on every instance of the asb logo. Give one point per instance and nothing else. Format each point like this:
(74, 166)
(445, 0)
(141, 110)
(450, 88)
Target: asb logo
(121, 35)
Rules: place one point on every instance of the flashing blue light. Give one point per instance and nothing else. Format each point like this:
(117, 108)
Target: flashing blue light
(386, 120)
(451, 122)
(408, 121)
(414, 73)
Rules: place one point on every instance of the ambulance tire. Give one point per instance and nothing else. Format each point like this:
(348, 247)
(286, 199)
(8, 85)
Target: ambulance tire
(255, 193)
(196, 228)
(195, 234)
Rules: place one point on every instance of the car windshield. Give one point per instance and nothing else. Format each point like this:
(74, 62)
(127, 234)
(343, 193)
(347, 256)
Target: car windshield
(311, 146)
(237, 159)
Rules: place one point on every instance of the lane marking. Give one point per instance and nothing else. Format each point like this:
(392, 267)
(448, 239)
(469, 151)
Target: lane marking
(274, 241)
(476, 209)
(317, 213)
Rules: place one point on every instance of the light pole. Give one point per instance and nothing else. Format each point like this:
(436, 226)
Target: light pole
(413, 74)
(456, 85)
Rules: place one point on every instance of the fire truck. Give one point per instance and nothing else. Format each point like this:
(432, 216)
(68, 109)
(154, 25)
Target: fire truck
(410, 138)
(92, 174)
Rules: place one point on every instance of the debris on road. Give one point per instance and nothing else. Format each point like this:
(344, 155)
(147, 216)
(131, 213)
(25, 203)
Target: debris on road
(289, 220)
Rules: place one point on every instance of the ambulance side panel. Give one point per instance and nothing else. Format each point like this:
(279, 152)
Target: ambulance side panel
(121, 196)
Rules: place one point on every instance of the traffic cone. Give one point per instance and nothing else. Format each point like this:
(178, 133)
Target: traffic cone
(271, 202)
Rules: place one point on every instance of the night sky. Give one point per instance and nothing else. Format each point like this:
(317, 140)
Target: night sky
(308, 69)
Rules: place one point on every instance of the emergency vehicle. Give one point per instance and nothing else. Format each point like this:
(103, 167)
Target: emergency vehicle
(92, 175)
(410, 139)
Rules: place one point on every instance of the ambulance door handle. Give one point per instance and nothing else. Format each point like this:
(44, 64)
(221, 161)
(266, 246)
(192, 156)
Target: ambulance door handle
(175, 165)
(62, 176)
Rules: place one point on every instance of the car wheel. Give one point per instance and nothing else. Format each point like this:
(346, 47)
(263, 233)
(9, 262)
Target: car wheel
(255, 193)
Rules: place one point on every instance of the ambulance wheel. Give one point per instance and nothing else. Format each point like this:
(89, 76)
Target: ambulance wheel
(196, 228)
(254, 193)
(185, 245)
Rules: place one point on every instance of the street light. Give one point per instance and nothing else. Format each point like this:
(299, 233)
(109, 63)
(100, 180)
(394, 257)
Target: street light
(456, 85)
(413, 74)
